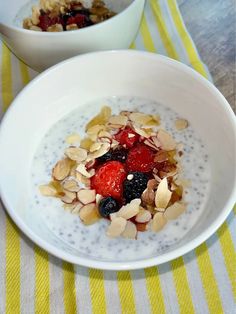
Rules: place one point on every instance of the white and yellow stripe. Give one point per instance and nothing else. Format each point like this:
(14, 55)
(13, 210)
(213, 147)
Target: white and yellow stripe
(203, 281)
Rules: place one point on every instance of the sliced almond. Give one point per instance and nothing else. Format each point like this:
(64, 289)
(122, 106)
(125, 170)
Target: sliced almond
(76, 153)
(70, 185)
(68, 197)
(113, 216)
(163, 194)
(161, 156)
(158, 222)
(120, 120)
(61, 169)
(105, 147)
(117, 227)
(101, 118)
(94, 131)
(162, 210)
(82, 179)
(82, 170)
(86, 143)
(175, 210)
(98, 198)
(143, 216)
(86, 196)
(130, 231)
(104, 134)
(47, 190)
(140, 118)
(148, 196)
(77, 208)
(130, 210)
(166, 140)
(89, 214)
(144, 133)
(114, 126)
(181, 124)
(73, 138)
(95, 146)
(152, 184)
(142, 227)
(69, 207)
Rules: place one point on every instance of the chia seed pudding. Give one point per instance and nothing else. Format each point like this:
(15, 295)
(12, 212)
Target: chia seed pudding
(92, 239)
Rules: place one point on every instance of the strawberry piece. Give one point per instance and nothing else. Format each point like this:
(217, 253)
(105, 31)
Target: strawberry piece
(127, 137)
(140, 158)
(80, 19)
(108, 179)
(44, 21)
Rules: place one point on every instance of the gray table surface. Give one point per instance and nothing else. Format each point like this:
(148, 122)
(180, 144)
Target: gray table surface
(212, 25)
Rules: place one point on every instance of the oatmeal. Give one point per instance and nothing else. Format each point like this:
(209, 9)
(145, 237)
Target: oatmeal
(65, 15)
(126, 169)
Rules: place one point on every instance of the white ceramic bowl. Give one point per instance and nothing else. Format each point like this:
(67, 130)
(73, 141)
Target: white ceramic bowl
(50, 97)
(41, 50)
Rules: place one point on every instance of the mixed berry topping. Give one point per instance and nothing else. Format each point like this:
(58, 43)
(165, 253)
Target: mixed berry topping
(126, 169)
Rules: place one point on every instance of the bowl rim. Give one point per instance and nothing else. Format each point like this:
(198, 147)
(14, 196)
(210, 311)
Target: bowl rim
(130, 265)
(58, 34)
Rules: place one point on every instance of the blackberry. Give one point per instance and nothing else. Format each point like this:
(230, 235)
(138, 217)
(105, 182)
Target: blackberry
(134, 185)
(107, 206)
(117, 154)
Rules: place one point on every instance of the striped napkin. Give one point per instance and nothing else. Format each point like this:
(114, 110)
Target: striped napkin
(32, 281)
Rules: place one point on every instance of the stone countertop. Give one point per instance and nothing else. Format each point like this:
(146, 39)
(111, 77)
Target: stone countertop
(212, 25)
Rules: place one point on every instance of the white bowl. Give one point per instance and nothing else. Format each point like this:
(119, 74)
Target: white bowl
(41, 50)
(75, 83)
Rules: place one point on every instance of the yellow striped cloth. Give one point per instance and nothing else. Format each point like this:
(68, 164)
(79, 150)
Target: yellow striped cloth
(32, 281)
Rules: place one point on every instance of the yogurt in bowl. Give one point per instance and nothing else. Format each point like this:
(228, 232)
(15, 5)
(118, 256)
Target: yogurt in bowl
(133, 81)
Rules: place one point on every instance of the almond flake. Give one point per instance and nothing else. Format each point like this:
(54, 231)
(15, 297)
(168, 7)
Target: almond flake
(114, 126)
(82, 179)
(141, 132)
(174, 211)
(69, 207)
(130, 210)
(71, 185)
(158, 222)
(140, 118)
(94, 147)
(117, 227)
(86, 196)
(113, 216)
(89, 214)
(121, 120)
(148, 196)
(86, 143)
(143, 216)
(68, 197)
(76, 153)
(104, 134)
(163, 194)
(181, 124)
(161, 156)
(61, 169)
(94, 130)
(166, 140)
(73, 138)
(101, 118)
(105, 147)
(130, 231)
(162, 210)
(98, 198)
(47, 190)
(82, 170)
(77, 208)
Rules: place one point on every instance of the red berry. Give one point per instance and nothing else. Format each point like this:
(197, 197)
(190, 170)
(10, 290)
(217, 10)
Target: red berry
(140, 158)
(108, 179)
(44, 21)
(80, 19)
(127, 137)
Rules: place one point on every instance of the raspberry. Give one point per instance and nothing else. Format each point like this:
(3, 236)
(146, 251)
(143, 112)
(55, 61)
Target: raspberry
(140, 158)
(79, 19)
(134, 187)
(127, 137)
(108, 179)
